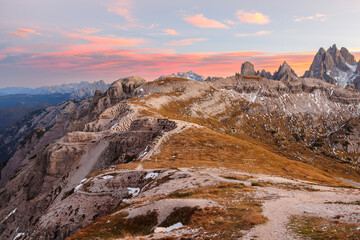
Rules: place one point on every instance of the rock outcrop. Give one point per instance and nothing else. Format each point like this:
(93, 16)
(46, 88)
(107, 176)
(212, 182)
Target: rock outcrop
(285, 73)
(247, 69)
(334, 66)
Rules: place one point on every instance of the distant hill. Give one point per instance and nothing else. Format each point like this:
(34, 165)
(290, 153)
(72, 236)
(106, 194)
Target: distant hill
(17, 102)
(79, 90)
(22, 100)
(16, 106)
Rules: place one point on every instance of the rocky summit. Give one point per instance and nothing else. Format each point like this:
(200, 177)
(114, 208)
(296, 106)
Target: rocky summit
(249, 156)
(335, 66)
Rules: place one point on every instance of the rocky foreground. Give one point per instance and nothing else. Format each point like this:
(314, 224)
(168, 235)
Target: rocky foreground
(238, 157)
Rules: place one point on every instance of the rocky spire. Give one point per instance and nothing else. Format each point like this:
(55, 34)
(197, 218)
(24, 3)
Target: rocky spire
(358, 68)
(247, 69)
(338, 58)
(323, 63)
(265, 74)
(349, 58)
(285, 73)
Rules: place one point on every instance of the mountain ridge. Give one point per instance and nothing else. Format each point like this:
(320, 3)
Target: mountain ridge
(104, 149)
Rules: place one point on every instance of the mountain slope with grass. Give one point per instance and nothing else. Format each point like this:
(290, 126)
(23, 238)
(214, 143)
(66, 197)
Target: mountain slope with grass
(223, 159)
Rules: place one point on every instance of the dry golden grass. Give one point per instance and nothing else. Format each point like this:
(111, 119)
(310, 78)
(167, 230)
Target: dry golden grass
(236, 212)
(319, 228)
(202, 147)
(286, 144)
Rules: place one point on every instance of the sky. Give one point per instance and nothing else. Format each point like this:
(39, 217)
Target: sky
(49, 42)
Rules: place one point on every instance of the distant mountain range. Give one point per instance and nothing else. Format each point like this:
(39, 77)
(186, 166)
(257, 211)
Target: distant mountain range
(76, 90)
(187, 75)
(17, 102)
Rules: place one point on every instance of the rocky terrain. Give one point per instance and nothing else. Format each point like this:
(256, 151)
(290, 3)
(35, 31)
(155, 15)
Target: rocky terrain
(335, 66)
(239, 157)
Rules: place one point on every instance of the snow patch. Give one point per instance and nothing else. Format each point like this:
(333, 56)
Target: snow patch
(78, 187)
(352, 67)
(11, 213)
(18, 235)
(151, 175)
(175, 226)
(134, 191)
(114, 126)
(107, 177)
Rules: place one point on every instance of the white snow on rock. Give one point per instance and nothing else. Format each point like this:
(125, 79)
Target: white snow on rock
(78, 187)
(352, 67)
(133, 191)
(82, 181)
(151, 175)
(114, 126)
(160, 230)
(107, 177)
(11, 213)
(175, 226)
(18, 235)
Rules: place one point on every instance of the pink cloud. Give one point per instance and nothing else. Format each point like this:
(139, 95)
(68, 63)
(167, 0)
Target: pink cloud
(188, 41)
(171, 32)
(25, 30)
(24, 33)
(252, 17)
(18, 34)
(150, 63)
(124, 8)
(88, 30)
(260, 33)
(99, 43)
(200, 21)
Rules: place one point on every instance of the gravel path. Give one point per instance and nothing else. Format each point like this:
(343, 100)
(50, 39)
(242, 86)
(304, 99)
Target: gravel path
(295, 202)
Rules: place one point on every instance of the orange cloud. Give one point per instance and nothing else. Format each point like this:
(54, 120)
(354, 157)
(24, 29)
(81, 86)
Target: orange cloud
(200, 21)
(188, 41)
(171, 32)
(255, 18)
(260, 33)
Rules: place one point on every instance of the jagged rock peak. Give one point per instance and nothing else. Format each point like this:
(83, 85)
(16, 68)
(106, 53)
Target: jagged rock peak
(247, 69)
(285, 73)
(349, 58)
(335, 66)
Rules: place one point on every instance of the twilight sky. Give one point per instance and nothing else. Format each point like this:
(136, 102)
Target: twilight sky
(47, 42)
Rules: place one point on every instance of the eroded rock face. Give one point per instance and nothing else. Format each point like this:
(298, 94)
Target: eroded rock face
(247, 69)
(135, 142)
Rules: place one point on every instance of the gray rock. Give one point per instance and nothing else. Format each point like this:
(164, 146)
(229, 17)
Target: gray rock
(285, 73)
(247, 69)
